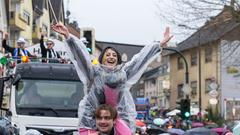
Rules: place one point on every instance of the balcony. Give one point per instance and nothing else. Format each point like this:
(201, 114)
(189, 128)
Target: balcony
(17, 22)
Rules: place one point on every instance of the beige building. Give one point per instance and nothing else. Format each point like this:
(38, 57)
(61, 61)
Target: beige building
(41, 20)
(156, 82)
(202, 53)
(29, 18)
(21, 16)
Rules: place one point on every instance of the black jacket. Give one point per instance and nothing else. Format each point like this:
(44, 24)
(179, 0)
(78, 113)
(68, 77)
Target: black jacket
(45, 51)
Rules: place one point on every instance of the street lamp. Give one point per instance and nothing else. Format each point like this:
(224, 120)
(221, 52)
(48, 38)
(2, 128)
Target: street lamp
(199, 64)
(185, 61)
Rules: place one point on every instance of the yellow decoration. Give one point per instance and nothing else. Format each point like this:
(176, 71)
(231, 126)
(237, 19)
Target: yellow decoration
(24, 59)
(95, 62)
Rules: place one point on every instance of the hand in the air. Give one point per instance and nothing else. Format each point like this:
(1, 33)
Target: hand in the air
(60, 28)
(166, 38)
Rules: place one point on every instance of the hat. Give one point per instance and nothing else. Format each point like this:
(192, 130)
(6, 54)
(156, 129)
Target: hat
(50, 41)
(21, 40)
(84, 40)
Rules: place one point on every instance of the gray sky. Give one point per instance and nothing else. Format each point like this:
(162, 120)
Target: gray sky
(122, 21)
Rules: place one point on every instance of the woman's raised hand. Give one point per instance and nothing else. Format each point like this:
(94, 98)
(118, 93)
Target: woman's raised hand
(167, 37)
(60, 28)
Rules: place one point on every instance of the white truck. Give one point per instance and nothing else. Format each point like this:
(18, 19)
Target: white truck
(52, 108)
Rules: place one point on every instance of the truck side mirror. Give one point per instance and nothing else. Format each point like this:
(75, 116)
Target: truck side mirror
(16, 79)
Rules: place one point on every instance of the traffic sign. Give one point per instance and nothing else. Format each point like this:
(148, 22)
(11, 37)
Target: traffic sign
(213, 101)
(213, 86)
(186, 89)
(213, 93)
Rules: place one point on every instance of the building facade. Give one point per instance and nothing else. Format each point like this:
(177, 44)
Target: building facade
(41, 20)
(21, 16)
(4, 16)
(203, 54)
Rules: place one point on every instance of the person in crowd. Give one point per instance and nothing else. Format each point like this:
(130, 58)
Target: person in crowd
(48, 52)
(30, 96)
(110, 81)
(17, 51)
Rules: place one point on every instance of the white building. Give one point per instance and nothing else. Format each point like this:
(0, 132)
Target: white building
(3, 17)
(230, 79)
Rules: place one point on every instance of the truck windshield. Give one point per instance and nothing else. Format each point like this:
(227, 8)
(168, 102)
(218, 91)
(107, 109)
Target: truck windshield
(51, 98)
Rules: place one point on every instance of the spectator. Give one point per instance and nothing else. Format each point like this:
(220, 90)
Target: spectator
(48, 52)
(18, 51)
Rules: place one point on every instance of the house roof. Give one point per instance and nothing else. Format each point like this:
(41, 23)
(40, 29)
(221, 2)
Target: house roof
(128, 49)
(207, 35)
(151, 74)
(155, 72)
(210, 32)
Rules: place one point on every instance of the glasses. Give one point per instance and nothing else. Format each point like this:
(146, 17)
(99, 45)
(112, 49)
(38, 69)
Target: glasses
(49, 43)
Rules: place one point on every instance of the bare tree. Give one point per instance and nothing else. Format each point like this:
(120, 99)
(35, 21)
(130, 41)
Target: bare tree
(189, 15)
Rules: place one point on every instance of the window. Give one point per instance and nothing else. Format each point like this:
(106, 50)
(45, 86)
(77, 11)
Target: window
(160, 84)
(180, 63)
(194, 58)
(124, 57)
(138, 93)
(152, 82)
(180, 92)
(44, 28)
(12, 14)
(194, 88)
(26, 17)
(208, 54)
(34, 25)
(45, 5)
(207, 85)
(54, 94)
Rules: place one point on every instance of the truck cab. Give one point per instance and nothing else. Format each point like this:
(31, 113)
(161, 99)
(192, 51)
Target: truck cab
(45, 97)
